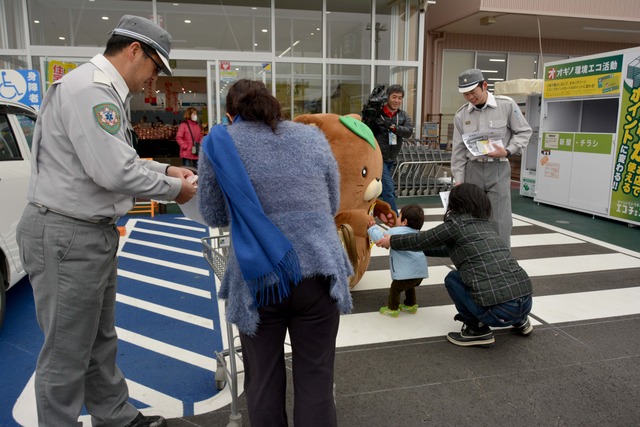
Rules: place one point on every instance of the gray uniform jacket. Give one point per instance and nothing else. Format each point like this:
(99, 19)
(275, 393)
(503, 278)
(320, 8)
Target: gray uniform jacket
(500, 113)
(84, 165)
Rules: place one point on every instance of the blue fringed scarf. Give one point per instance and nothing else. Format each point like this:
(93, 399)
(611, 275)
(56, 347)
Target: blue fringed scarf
(267, 260)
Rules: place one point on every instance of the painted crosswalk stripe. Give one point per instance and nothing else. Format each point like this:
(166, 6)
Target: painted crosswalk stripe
(165, 284)
(169, 235)
(167, 350)
(168, 248)
(165, 311)
(163, 263)
(199, 229)
(438, 321)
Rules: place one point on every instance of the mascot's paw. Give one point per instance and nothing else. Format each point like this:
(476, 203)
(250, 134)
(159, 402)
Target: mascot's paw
(388, 218)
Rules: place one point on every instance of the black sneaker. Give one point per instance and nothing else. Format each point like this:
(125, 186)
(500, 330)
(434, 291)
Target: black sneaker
(468, 336)
(150, 421)
(523, 328)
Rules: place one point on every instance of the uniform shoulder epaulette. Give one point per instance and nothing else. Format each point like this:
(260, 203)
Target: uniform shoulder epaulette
(503, 97)
(100, 77)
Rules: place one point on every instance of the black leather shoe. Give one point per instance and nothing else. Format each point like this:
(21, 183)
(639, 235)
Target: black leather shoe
(150, 421)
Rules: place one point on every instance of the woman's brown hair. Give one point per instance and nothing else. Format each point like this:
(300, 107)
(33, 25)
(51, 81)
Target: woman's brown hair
(251, 100)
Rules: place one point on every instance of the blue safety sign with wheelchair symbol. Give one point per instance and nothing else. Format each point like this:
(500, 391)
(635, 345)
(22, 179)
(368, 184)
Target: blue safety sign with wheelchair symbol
(21, 86)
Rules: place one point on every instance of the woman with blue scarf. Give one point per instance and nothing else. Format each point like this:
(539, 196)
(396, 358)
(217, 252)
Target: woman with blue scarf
(276, 184)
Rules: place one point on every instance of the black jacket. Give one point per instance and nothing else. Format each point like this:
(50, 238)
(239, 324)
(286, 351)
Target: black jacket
(380, 127)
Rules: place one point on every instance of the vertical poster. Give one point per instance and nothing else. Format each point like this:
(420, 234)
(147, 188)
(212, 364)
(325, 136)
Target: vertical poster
(625, 186)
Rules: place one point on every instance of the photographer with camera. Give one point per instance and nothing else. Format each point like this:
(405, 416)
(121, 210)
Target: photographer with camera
(390, 125)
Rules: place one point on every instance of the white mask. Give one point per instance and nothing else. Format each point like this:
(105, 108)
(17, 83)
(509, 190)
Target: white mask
(194, 117)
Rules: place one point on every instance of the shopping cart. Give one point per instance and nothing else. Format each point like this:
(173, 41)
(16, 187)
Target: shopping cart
(215, 250)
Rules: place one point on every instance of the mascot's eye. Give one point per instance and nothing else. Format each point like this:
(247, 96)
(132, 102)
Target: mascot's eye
(364, 172)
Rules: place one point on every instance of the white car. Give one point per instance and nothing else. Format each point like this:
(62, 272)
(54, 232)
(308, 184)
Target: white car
(17, 122)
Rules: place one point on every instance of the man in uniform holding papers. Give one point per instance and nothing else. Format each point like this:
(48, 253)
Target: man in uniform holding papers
(496, 119)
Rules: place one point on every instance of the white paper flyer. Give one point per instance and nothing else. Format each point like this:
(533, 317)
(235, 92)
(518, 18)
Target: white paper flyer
(482, 143)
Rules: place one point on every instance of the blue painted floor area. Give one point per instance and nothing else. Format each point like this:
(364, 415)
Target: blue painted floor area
(20, 342)
(167, 319)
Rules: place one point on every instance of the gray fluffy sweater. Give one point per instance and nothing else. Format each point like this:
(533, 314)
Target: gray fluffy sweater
(296, 179)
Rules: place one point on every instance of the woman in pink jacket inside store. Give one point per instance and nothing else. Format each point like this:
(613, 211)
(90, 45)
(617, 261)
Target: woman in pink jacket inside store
(189, 137)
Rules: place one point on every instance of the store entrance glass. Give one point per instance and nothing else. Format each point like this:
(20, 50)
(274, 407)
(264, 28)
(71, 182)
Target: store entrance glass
(221, 74)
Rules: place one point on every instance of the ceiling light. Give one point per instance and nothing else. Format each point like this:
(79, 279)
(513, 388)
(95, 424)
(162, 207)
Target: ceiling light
(317, 29)
(187, 21)
(489, 71)
(254, 8)
(36, 21)
(488, 20)
(296, 42)
(105, 18)
(497, 60)
(61, 38)
(264, 30)
(613, 30)
(495, 80)
(255, 44)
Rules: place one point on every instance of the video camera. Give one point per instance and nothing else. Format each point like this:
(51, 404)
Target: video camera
(373, 107)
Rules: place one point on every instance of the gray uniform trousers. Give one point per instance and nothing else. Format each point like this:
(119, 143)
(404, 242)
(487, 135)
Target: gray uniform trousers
(72, 267)
(495, 179)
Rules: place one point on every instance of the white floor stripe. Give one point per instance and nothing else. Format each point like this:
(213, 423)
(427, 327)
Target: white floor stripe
(174, 225)
(165, 311)
(164, 263)
(165, 247)
(169, 235)
(438, 321)
(374, 328)
(543, 239)
(517, 241)
(582, 237)
(168, 350)
(587, 305)
(165, 284)
(380, 279)
(578, 264)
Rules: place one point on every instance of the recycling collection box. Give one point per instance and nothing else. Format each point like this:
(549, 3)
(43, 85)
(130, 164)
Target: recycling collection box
(589, 151)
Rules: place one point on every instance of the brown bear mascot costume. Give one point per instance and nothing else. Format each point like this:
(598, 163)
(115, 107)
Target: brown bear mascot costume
(360, 164)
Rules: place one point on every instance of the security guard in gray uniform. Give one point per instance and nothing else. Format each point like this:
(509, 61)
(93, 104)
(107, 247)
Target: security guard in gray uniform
(485, 112)
(85, 175)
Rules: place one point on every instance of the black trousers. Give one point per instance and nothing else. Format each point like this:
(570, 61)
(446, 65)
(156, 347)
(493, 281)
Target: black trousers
(311, 316)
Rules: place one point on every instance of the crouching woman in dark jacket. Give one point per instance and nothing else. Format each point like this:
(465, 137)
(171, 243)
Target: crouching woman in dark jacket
(489, 288)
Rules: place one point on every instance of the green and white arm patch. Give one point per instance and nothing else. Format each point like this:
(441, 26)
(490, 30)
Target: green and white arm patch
(108, 117)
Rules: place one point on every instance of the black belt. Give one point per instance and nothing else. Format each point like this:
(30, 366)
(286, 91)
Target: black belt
(103, 221)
